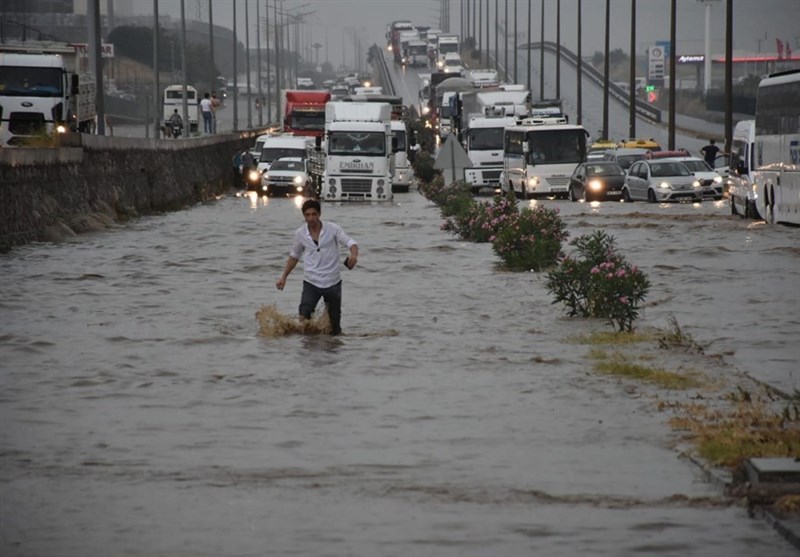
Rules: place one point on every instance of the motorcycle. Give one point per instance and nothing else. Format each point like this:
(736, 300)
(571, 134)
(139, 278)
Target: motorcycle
(174, 130)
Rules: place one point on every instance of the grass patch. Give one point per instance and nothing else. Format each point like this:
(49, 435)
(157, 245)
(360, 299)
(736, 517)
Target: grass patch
(675, 337)
(748, 429)
(619, 366)
(614, 338)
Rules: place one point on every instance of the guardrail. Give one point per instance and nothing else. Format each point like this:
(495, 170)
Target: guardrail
(642, 108)
(379, 61)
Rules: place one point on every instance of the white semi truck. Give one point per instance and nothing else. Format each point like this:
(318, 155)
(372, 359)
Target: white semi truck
(353, 162)
(41, 93)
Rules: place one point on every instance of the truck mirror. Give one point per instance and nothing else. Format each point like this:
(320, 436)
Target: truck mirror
(75, 85)
(525, 147)
(394, 144)
(318, 143)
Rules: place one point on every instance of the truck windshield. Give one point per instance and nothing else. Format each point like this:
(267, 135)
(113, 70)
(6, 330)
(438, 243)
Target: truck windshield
(17, 81)
(485, 139)
(308, 119)
(269, 154)
(356, 143)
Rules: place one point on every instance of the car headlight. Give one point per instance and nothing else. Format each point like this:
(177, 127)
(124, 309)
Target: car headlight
(717, 179)
(595, 185)
(696, 184)
(253, 175)
(665, 185)
(61, 128)
(298, 180)
(426, 109)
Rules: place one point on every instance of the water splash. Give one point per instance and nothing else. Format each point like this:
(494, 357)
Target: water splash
(273, 323)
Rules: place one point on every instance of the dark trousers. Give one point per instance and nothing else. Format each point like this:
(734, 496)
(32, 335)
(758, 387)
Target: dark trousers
(333, 298)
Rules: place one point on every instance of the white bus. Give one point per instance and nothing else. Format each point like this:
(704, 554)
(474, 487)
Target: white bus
(173, 98)
(540, 155)
(777, 176)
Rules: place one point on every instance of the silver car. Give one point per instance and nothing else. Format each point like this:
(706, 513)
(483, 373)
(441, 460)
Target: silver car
(661, 180)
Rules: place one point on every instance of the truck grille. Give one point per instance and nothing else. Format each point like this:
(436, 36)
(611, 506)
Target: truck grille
(26, 123)
(491, 175)
(356, 185)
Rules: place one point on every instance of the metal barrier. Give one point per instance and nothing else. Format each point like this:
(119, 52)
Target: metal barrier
(383, 69)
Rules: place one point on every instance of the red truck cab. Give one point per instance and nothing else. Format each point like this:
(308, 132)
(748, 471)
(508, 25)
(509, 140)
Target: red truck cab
(304, 112)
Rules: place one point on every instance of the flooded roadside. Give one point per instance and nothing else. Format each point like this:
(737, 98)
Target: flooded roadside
(143, 412)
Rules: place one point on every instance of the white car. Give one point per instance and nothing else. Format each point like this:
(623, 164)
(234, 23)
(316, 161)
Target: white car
(709, 178)
(661, 180)
(287, 176)
(451, 63)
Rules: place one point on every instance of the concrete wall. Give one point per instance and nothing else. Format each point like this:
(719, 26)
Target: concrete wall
(92, 182)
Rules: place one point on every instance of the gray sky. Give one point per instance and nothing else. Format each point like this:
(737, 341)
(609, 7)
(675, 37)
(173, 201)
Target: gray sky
(757, 23)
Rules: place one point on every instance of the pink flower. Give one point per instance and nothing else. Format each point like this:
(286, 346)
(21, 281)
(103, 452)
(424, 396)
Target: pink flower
(623, 300)
(621, 273)
(594, 270)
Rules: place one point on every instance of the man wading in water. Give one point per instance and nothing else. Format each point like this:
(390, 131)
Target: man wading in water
(318, 243)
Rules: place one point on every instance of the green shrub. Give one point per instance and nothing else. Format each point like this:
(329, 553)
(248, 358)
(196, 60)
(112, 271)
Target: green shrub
(599, 282)
(531, 239)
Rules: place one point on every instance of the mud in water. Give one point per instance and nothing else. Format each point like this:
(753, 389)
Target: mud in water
(273, 323)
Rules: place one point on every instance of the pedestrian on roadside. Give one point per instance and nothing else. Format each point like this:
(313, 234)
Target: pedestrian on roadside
(237, 174)
(710, 152)
(318, 243)
(208, 114)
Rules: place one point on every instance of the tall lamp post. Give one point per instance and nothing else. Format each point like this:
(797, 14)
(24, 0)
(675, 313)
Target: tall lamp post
(707, 58)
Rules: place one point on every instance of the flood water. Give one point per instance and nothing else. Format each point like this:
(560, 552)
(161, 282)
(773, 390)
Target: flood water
(142, 413)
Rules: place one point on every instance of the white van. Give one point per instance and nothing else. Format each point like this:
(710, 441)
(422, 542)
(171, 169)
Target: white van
(739, 179)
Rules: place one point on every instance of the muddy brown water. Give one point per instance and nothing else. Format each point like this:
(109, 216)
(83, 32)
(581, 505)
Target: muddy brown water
(143, 410)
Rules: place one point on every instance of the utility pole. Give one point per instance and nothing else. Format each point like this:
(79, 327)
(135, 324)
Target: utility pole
(235, 76)
(258, 66)
(156, 76)
(605, 70)
(529, 46)
(672, 76)
(632, 76)
(187, 127)
(541, 58)
(579, 120)
(212, 68)
(247, 63)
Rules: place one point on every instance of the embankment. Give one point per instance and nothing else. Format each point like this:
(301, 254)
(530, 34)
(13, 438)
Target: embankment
(92, 182)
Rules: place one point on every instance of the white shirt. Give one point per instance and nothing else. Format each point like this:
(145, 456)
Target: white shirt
(206, 105)
(321, 262)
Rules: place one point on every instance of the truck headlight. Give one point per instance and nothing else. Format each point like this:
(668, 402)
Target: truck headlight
(381, 182)
(332, 182)
(533, 181)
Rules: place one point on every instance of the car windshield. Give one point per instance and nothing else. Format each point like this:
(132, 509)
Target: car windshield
(604, 170)
(662, 169)
(625, 161)
(270, 154)
(287, 165)
(697, 166)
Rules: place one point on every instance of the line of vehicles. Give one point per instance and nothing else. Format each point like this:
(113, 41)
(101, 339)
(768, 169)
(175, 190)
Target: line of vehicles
(530, 147)
(351, 147)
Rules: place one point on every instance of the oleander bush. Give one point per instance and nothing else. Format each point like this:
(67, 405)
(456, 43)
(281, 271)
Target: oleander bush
(598, 282)
(530, 239)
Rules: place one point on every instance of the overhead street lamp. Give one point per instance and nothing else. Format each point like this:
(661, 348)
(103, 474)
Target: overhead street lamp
(707, 60)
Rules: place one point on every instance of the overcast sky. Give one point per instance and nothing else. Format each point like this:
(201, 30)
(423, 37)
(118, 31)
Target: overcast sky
(757, 23)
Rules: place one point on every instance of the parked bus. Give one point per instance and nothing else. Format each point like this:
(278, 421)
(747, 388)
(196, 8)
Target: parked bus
(173, 98)
(540, 156)
(777, 176)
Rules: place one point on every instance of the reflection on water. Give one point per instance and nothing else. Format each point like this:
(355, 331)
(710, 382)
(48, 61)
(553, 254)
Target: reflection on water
(146, 410)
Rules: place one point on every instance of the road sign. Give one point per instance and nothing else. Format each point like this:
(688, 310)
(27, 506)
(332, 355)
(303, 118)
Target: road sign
(655, 68)
(452, 160)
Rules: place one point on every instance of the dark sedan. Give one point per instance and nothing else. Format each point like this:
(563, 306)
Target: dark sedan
(596, 181)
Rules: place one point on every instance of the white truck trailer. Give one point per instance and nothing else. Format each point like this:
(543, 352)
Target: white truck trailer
(401, 169)
(353, 162)
(41, 93)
